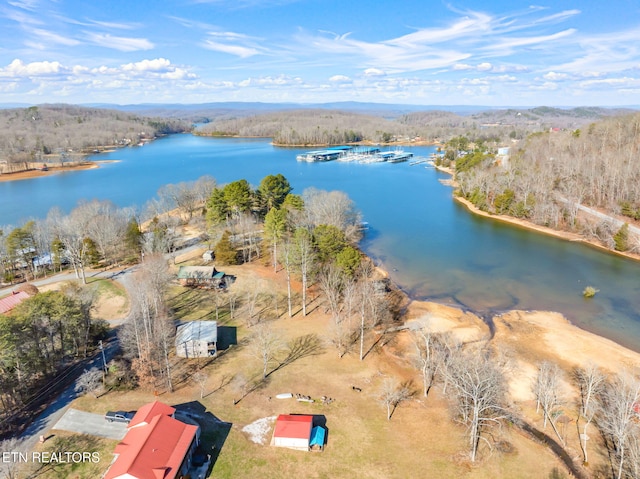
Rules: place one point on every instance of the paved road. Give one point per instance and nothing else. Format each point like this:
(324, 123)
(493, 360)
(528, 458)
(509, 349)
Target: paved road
(54, 412)
(598, 214)
(83, 422)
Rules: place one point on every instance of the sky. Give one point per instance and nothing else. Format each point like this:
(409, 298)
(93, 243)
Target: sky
(423, 52)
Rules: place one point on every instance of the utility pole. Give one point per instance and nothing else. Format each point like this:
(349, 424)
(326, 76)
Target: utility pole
(104, 359)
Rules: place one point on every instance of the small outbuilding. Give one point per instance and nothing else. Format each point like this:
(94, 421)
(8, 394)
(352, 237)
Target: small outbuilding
(318, 434)
(197, 339)
(293, 431)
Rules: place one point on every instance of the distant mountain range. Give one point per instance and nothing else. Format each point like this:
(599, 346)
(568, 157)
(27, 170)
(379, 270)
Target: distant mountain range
(207, 112)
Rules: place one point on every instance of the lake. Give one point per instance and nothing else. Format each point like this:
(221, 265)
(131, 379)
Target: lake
(432, 247)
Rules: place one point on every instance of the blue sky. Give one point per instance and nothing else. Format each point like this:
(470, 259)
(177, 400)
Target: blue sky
(472, 52)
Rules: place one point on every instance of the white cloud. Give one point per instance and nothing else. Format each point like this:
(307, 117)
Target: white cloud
(553, 76)
(483, 67)
(374, 72)
(51, 37)
(19, 69)
(506, 78)
(461, 67)
(122, 44)
(233, 43)
(620, 82)
(339, 79)
(271, 81)
(505, 46)
(156, 65)
(238, 50)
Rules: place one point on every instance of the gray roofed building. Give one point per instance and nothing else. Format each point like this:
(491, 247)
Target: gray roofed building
(197, 339)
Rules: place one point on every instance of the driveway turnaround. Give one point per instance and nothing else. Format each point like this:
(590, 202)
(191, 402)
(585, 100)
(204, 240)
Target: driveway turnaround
(90, 423)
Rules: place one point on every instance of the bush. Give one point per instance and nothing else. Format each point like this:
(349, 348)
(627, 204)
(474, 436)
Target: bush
(621, 238)
(589, 292)
(225, 251)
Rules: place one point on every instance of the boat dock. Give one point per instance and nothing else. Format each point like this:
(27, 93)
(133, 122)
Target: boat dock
(368, 154)
(418, 161)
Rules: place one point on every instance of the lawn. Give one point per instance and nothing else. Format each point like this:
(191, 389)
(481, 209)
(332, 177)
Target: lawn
(420, 440)
(65, 455)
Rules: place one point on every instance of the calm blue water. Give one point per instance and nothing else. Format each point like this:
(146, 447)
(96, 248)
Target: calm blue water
(433, 247)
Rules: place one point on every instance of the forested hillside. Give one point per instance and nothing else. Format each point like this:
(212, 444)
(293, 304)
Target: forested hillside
(331, 127)
(29, 134)
(550, 175)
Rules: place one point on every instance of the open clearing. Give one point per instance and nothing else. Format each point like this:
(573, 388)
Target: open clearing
(421, 440)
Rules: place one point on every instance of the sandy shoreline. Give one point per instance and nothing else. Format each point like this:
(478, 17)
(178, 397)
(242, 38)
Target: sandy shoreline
(52, 170)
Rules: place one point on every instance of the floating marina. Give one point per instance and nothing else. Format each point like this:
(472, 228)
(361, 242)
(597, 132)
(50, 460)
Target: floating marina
(360, 154)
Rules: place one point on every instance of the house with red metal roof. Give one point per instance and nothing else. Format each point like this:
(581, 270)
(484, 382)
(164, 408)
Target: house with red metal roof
(14, 299)
(156, 446)
(292, 431)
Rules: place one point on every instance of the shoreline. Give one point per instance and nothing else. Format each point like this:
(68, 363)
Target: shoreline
(564, 235)
(326, 145)
(51, 170)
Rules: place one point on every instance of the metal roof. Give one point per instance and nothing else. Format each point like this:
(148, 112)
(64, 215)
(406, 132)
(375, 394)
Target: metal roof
(196, 272)
(197, 331)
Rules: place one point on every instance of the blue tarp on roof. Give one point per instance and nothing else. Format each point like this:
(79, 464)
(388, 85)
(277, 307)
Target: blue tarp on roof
(317, 436)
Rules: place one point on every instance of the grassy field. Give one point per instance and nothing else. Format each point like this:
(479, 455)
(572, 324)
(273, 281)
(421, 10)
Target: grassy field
(44, 463)
(111, 299)
(421, 439)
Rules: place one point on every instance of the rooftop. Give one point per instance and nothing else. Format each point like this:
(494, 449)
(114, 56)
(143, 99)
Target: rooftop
(293, 426)
(11, 301)
(197, 331)
(153, 450)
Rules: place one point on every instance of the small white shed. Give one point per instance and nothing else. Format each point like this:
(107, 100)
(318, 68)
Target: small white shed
(292, 431)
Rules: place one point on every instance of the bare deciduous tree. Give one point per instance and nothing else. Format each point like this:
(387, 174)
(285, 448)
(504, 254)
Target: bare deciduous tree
(425, 357)
(266, 344)
(392, 394)
(546, 389)
(304, 256)
(200, 378)
(10, 450)
(617, 418)
(590, 381)
(90, 381)
(148, 334)
(330, 283)
(479, 389)
(333, 208)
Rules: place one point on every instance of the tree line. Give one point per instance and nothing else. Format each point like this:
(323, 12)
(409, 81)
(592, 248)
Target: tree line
(60, 133)
(549, 176)
(333, 127)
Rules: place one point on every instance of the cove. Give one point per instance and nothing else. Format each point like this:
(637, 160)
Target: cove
(432, 247)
